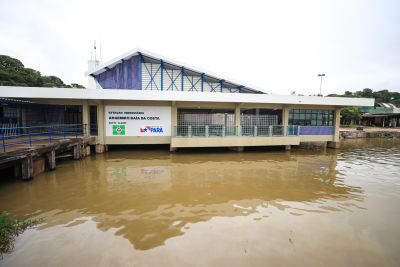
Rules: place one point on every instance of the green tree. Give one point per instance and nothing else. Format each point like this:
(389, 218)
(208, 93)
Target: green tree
(351, 115)
(368, 93)
(334, 95)
(8, 62)
(383, 96)
(348, 94)
(14, 73)
(395, 99)
(52, 81)
(75, 85)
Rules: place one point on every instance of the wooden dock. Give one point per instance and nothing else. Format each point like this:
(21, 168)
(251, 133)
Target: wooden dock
(31, 160)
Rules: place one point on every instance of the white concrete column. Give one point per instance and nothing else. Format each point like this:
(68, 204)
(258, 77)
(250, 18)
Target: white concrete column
(85, 117)
(189, 133)
(285, 119)
(101, 123)
(336, 135)
(174, 118)
(237, 120)
(337, 125)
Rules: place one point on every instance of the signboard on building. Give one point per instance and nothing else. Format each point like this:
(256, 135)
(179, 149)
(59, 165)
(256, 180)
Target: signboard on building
(138, 121)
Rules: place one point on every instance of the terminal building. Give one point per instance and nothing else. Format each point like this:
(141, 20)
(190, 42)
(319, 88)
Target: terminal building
(382, 115)
(143, 98)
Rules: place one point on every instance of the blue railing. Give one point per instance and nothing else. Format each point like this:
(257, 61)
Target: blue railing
(246, 130)
(13, 136)
(226, 131)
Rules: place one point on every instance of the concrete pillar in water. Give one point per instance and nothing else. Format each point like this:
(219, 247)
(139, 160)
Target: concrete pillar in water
(288, 147)
(337, 125)
(27, 167)
(17, 171)
(87, 151)
(237, 148)
(335, 143)
(51, 160)
(101, 148)
(77, 151)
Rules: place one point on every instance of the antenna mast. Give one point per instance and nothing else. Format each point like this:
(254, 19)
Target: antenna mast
(100, 57)
(95, 54)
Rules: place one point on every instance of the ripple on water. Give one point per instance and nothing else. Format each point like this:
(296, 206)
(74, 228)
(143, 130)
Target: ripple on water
(152, 197)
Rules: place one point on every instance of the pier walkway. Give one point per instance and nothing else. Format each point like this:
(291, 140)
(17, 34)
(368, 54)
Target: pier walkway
(33, 150)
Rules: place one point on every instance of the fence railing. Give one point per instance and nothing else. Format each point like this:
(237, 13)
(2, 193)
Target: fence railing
(226, 131)
(204, 130)
(12, 136)
(249, 130)
(10, 128)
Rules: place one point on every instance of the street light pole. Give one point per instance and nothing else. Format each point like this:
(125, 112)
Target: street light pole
(320, 85)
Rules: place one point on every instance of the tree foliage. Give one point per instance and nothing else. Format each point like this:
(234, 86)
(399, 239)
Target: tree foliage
(382, 96)
(14, 73)
(351, 115)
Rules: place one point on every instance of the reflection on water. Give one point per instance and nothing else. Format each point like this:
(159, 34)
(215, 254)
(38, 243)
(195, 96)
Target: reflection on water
(146, 194)
(149, 197)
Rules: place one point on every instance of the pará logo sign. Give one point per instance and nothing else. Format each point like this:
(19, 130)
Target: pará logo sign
(152, 129)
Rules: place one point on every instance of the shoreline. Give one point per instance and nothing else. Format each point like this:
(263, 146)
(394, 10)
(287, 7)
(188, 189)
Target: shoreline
(369, 132)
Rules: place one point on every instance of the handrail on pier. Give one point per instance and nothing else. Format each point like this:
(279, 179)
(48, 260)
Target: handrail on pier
(12, 136)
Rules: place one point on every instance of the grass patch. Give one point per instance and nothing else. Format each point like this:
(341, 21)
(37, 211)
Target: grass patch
(10, 228)
(350, 125)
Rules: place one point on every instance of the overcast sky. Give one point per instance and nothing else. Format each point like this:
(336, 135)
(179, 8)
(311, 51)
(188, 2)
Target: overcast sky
(278, 46)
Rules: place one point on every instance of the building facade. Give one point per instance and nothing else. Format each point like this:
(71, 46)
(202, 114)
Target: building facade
(143, 98)
(382, 115)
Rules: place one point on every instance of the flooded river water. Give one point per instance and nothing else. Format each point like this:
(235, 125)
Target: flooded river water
(260, 208)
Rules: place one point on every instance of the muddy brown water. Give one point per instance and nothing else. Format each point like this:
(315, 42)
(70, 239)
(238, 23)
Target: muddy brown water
(258, 208)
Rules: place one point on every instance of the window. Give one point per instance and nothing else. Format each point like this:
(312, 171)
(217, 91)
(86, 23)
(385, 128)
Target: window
(311, 117)
(93, 120)
(261, 117)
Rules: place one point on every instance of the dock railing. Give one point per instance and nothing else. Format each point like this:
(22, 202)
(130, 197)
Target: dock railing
(226, 131)
(30, 135)
(214, 130)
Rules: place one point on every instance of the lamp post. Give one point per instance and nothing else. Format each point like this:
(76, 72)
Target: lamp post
(320, 85)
